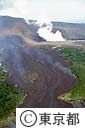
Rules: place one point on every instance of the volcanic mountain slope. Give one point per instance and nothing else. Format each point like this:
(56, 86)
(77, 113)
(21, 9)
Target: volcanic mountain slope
(18, 26)
(39, 72)
(70, 31)
(22, 60)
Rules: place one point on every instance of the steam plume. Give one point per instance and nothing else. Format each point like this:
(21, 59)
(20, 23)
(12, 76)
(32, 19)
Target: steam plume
(45, 31)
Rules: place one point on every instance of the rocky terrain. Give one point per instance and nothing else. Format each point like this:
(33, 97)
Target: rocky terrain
(21, 59)
(70, 31)
(25, 61)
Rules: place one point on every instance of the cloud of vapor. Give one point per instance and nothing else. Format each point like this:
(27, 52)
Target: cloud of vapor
(18, 8)
(46, 33)
(4, 4)
(15, 8)
(45, 30)
(54, 9)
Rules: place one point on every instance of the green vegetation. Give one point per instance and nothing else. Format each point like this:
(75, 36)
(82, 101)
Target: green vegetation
(10, 98)
(77, 57)
(31, 78)
(73, 54)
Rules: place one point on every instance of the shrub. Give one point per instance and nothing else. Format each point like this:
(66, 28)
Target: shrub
(10, 97)
(31, 78)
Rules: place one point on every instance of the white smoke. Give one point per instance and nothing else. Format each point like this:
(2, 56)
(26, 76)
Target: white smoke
(24, 9)
(54, 9)
(30, 21)
(45, 31)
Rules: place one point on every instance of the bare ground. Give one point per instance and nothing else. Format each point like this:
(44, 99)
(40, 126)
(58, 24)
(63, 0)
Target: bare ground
(21, 59)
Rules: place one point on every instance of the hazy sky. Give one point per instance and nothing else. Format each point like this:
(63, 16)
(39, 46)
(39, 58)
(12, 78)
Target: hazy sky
(59, 10)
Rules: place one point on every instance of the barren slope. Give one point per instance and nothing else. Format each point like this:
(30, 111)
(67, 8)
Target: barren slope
(21, 58)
